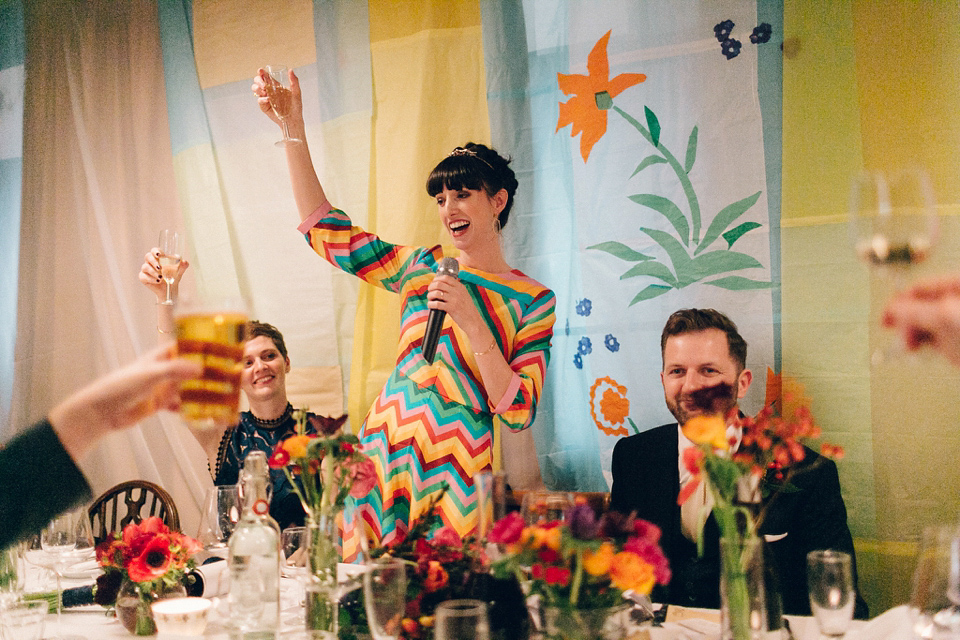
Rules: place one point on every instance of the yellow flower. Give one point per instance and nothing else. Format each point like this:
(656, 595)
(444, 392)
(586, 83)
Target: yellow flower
(629, 571)
(296, 446)
(597, 563)
(710, 430)
(552, 538)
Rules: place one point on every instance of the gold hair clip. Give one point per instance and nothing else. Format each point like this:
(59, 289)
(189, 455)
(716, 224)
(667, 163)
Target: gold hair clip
(461, 151)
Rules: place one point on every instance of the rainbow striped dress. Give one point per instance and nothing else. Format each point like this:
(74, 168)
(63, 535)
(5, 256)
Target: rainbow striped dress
(433, 423)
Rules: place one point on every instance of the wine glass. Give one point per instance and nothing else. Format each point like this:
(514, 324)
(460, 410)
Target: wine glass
(171, 248)
(461, 620)
(545, 506)
(384, 597)
(893, 226)
(65, 539)
(221, 512)
(934, 606)
(277, 87)
(830, 586)
(491, 487)
(12, 574)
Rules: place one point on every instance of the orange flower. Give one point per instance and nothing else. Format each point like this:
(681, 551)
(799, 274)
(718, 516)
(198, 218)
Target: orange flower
(629, 571)
(437, 577)
(296, 446)
(710, 430)
(597, 563)
(593, 94)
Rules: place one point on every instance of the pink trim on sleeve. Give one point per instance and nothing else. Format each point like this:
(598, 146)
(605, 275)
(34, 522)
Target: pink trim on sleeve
(321, 211)
(508, 395)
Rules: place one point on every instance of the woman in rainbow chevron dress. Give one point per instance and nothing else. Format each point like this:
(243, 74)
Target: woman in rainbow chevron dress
(433, 424)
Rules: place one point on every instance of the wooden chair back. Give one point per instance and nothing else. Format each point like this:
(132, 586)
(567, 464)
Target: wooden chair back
(131, 501)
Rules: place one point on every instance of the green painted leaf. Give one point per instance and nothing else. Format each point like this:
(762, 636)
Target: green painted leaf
(669, 210)
(633, 424)
(734, 234)
(653, 125)
(648, 161)
(652, 291)
(675, 251)
(739, 283)
(654, 269)
(622, 251)
(716, 262)
(691, 151)
(725, 218)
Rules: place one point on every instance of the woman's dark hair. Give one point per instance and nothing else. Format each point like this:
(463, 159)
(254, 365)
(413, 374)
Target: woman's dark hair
(255, 329)
(475, 166)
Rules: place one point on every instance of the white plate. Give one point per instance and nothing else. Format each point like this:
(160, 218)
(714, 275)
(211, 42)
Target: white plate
(82, 570)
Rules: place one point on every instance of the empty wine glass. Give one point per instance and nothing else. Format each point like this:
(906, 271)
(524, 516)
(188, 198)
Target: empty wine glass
(66, 539)
(221, 512)
(830, 586)
(384, 596)
(171, 249)
(277, 86)
(893, 226)
(461, 620)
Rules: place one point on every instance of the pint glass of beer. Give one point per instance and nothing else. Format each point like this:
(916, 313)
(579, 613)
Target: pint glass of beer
(212, 332)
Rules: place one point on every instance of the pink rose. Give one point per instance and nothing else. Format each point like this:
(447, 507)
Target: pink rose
(446, 537)
(363, 476)
(507, 530)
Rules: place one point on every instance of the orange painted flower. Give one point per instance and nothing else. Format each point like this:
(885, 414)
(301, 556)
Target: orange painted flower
(593, 95)
(610, 398)
(709, 429)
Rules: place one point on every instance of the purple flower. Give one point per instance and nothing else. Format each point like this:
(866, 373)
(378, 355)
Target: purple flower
(577, 361)
(761, 33)
(730, 48)
(326, 426)
(583, 522)
(611, 343)
(584, 307)
(584, 346)
(723, 30)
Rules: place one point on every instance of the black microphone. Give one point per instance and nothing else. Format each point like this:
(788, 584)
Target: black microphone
(448, 267)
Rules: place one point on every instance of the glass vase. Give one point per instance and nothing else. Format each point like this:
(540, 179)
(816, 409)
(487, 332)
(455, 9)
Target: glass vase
(606, 623)
(134, 600)
(321, 589)
(743, 611)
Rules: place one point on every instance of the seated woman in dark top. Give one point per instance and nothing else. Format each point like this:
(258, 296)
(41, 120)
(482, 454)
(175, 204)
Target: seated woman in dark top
(270, 418)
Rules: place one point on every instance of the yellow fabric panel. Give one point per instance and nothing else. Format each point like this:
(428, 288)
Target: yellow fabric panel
(908, 77)
(233, 38)
(821, 126)
(395, 19)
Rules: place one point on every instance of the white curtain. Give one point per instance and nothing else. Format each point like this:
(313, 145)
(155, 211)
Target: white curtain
(98, 185)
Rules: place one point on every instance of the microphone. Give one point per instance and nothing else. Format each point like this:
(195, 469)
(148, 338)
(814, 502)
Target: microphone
(431, 335)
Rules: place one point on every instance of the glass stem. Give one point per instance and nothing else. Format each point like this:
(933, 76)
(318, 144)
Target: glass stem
(286, 132)
(169, 299)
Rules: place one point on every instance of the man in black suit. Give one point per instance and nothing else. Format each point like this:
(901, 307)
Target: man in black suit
(702, 348)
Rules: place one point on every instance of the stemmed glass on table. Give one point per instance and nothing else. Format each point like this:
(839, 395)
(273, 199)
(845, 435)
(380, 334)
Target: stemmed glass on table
(277, 86)
(830, 586)
(66, 539)
(221, 513)
(935, 597)
(893, 226)
(461, 620)
(171, 249)
(384, 597)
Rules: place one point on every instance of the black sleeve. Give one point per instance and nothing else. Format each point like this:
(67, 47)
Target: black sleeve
(38, 481)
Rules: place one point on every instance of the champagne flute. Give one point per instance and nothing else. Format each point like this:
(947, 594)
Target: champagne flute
(171, 247)
(893, 226)
(384, 596)
(462, 620)
(830, 586)
(277, 87)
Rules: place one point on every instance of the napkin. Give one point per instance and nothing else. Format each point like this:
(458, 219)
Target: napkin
(894, 624)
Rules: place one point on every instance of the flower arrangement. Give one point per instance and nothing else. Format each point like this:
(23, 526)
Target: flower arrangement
(324, 467)
(584, 562)
(149, 555)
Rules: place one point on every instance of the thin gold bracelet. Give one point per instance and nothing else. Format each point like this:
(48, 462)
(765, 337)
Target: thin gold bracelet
(159, 330)
(487, 350)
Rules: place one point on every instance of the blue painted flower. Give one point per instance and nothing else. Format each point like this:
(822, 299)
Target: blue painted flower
(611, 343)
(761, 33)
(730, 48)
(584, 307)
(723, 30)
(584, 346)
(577, 361)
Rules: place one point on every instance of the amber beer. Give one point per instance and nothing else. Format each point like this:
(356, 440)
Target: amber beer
(215, 339)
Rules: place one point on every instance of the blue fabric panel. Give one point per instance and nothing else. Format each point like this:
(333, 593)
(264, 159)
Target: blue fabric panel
(343, 63)
(11, 33)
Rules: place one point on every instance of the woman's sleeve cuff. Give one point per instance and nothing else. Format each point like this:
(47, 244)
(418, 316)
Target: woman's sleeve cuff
(324, 208)
(508, 395)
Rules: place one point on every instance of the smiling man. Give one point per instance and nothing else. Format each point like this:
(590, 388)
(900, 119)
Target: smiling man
(702, 349)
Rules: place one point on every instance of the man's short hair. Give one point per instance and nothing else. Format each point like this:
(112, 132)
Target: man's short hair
(256, 328)
(692, 320)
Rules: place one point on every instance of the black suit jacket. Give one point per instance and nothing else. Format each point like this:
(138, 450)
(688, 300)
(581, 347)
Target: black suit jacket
(646, 480)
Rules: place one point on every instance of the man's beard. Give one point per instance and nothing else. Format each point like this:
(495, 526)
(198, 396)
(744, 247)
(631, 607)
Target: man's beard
(718, 399)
